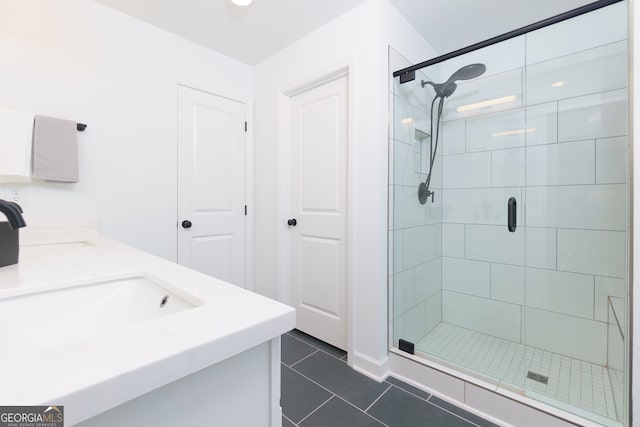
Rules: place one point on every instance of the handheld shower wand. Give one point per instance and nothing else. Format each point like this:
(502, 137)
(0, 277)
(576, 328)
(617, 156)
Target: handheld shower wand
(443, 90)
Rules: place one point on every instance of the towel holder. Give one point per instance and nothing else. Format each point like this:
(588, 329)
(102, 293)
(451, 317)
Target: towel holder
(81, 127)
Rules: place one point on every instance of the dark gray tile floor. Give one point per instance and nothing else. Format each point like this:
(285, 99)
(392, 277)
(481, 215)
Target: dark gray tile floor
(319, 389)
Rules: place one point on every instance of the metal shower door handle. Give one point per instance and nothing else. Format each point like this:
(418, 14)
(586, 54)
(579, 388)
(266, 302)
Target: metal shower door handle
(511, 214)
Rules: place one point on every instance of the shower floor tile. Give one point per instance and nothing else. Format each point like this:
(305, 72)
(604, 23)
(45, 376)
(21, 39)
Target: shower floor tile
(584, 385)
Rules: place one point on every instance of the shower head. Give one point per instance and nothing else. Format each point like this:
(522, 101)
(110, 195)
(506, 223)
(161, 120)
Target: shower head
(443, 90)
(467, 72)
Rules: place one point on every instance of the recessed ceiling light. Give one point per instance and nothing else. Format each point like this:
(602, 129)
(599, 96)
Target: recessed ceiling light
(558, 84)
(242, 2)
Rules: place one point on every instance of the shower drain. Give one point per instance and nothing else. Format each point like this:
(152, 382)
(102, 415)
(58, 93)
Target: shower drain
(537, 377)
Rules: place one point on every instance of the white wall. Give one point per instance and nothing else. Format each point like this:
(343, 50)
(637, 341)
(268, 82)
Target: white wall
(349, 40)
(83, 61)
(358, 39)
(635, 137)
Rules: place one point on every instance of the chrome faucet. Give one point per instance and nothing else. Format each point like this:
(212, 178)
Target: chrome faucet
(13, 212)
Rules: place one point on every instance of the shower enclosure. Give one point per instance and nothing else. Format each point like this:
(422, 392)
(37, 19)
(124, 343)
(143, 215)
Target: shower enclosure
(509, 214)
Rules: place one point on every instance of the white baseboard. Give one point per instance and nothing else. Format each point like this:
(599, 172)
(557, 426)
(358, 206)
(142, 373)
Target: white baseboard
(377, 370)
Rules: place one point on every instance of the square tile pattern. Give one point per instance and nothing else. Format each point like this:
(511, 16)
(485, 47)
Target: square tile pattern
(319, 389)
(581, 384)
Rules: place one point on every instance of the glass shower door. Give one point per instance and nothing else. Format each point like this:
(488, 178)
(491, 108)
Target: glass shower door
(576, 214)
(458, 270)
(509, 215)
(482, 215)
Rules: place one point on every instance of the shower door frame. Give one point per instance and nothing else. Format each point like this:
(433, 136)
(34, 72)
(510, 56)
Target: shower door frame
(409, 74)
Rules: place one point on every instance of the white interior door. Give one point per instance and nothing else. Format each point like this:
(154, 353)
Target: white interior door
(318, 245)
(211, 185)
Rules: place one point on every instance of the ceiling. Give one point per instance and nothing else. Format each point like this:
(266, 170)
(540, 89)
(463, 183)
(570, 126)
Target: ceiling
(254, 33)
(248, 34)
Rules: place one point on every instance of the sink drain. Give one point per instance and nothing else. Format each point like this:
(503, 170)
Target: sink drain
(164, 300)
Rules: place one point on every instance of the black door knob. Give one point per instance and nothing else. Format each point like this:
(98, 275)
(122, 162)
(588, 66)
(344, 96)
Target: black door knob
(186, 224)
(292, 222)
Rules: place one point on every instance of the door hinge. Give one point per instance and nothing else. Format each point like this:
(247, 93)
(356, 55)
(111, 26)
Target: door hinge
(245, 126)
(245, 210)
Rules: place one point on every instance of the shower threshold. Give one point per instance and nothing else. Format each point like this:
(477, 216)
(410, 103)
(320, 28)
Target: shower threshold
(573, 385)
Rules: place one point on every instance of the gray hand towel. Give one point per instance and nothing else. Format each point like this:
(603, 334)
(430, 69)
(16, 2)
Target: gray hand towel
(55, 150)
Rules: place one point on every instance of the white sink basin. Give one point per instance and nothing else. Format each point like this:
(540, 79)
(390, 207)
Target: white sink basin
(45, 320)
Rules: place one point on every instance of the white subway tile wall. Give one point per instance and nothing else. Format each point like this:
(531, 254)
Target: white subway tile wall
(504, 90)
(453, 240)
(488, 316)
(421, 244)
(433, 312)
(605, 287)
(428, 279)
(508, 167)
(591, 71)
(567, 335)
(540, 247)
(403, 292)
(495, 244)
(559, 147)
(404, 172)
(615, 349)
(601, 115)
(470, 170)
(496, 131)
(553, 42)
(412, 325)
(455, 134)
(466, 276)
(542, 119)
(548, 128)
(611, 160)
(596, 207)
(560, 292)
(498, 58)
(507, 283)
(600, 253)
(415, 281)
(547, 164)
(479, 206)
(408, 212)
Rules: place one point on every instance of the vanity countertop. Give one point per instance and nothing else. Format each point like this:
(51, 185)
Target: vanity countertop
(94, 373)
